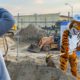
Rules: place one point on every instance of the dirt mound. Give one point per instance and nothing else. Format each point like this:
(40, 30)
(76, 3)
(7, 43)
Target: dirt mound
(6, 43)
(31, 33)
(28, 69)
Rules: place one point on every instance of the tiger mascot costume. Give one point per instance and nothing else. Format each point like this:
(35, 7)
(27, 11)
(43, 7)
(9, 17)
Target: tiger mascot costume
(66, 56)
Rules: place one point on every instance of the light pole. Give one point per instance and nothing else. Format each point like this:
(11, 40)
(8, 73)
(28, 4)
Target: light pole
(70, 7)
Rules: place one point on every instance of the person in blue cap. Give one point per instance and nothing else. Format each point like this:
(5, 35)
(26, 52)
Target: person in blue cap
(6, 23)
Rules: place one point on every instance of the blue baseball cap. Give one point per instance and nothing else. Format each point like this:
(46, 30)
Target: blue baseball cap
(6, 21)
(76, 17)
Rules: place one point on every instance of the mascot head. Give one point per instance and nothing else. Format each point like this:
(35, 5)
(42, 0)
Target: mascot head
(75, 23)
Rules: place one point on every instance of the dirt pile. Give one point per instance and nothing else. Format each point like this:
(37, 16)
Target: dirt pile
(31, 33)
(28, 69)
(10, 41)
(6, 43)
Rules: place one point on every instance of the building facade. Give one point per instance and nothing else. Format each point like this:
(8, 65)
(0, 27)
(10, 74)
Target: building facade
(65, 18)
(41, 20)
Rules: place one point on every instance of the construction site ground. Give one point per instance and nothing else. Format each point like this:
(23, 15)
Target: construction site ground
(24, 65)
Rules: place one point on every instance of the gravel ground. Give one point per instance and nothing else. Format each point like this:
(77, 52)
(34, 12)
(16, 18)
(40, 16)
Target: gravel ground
(24, 65)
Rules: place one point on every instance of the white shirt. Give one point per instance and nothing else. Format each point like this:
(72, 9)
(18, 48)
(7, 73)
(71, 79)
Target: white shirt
(72, 43)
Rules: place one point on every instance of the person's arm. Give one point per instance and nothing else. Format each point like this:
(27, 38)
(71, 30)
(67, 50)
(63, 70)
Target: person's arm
(4, 75)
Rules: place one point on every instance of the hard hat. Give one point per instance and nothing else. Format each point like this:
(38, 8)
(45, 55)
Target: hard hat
(76, 17)
(6, 21)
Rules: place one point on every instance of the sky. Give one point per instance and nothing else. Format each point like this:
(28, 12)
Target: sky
(29, 7)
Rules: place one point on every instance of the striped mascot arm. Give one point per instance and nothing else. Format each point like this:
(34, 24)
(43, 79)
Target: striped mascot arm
(64, 49)
(65, 42)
